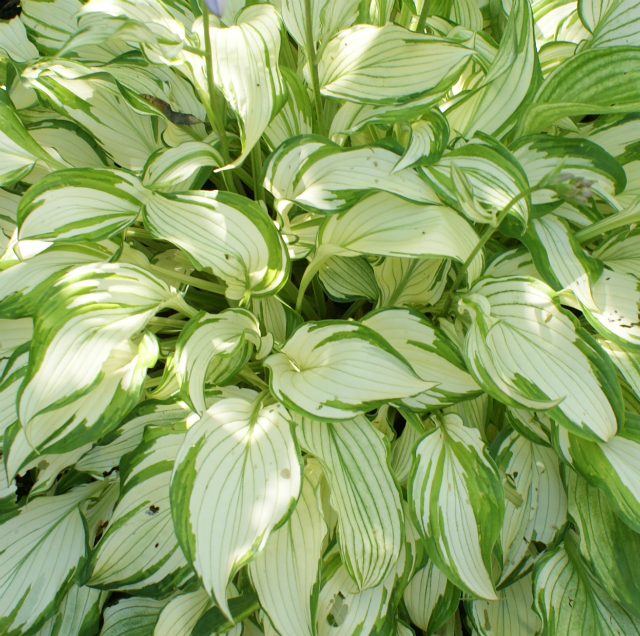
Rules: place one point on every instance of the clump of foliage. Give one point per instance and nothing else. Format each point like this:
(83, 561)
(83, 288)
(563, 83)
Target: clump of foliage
(320, 318)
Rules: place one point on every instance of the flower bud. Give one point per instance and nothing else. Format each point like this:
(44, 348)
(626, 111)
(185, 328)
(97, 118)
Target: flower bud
(572, 188)
(216, 7)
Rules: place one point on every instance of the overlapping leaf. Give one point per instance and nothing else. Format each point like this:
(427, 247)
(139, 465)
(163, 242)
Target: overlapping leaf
(387, 226)
(89, 316)
(245, 68)
(569, 599)
(389, 65)
(40, 552)
(611, 467)
(456, 495)
(540, 513)
(225, 232)
(601, 534)
(335, 370)
(213, 349)
(81, 204)
(430, 353)
(139, 551)
(320, 176)
(286, 572)
(524, 350)
(370, 516)
(250, 448)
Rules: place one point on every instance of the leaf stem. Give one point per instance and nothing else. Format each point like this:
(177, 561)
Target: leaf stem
(613, 222)
(251, 377)
(157, 321)
(488, 233)
(313, 65)
(141, 233)
(151, 383)
(290, 293)
(256, 166)
(318, 293)
(353, 308)
(312, 269)
(424, 14)
(189, 280)
(193, 49)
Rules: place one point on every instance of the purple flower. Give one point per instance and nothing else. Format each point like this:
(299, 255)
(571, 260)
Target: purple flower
(216, 7)
(574, 189)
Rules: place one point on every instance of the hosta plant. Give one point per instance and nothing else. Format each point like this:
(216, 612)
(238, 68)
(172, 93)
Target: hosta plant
(320, 318)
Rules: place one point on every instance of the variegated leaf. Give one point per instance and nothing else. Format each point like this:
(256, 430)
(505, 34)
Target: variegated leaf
(180, 615)
(570, 600)
(23, 285)
(78, 614)
(417, 282)
(611, 466)
(601, 538)
(429, 138)
(620, 252)
(353, 118)
(334, 370)
(132, 616)
(389, 65)
(319, 176)
(540, 513)
(40, 550)
(626, 361)
(76, 147)
(430, 598)
(344, 610)
(525, 351)
(11, 376)
(490, 172)
(230, 234)
(560, 260)
(592, 11)
(276, 317)
(370, 517)
(456, 495)
(150, 25)
(15, 333)
(347, 279)
(249, 446)
(491, 106)
(541, 155)
(139, 551)
(245, 69)
(285, 574)
(617, 305)
(612, 23)
(212, 349)
(431, 354)
(88, 315)
(19, 152)
(95, 102)
(295, 118)
(80, 204)
(401, 458)
(14, 43)
(510, 615)
(327, 17)
(184, 167)
(387, 226)
(106, 455)
(532, 425)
